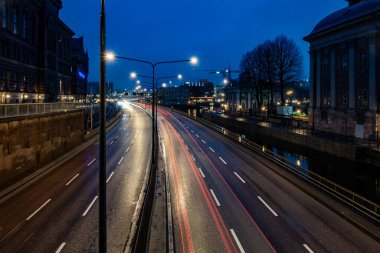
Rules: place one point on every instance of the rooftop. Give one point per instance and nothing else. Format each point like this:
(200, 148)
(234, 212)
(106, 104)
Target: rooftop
(347, 14)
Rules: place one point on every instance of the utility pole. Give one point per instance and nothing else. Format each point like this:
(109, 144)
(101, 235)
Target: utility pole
(102, 135)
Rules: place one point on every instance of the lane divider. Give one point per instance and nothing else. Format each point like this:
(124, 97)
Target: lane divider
(211, 149)
(200, 170)
(222, 160)
(93, 160)
(89, 207)
(120, 160)
(308, 248)
(39, 209)
(237, 241)
(72, 179)
(215, 198)
(110, 177)
(269, 208)
(238, 176)
(60, 247)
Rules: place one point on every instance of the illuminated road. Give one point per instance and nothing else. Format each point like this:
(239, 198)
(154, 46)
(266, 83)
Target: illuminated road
(225, 200)
(59, 213)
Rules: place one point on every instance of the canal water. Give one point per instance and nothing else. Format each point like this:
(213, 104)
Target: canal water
(360, 178)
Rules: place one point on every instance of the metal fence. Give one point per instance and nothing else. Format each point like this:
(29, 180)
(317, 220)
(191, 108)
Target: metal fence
(15, 110)
(365, 206)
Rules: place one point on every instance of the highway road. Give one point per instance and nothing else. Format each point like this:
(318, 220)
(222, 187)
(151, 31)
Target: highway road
(224, 199)
(59, 212)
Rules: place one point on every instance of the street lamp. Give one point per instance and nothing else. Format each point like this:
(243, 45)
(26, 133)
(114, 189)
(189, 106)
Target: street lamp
(110, 56)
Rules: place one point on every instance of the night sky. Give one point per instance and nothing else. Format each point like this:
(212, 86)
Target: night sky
(218, 32)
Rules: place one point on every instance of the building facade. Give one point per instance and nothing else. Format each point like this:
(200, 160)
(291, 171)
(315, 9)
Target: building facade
(35, 52)
(345, 71)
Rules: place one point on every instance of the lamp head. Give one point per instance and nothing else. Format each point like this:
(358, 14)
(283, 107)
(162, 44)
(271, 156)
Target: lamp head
(110, 56)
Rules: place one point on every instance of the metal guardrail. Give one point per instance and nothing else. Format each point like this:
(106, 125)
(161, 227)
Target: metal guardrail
(15, 110)
(365, 206)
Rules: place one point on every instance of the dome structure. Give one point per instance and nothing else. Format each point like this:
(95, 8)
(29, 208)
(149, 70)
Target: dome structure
(355, 10)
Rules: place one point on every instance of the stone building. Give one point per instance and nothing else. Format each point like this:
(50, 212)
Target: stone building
(35, 52)
(345, 71)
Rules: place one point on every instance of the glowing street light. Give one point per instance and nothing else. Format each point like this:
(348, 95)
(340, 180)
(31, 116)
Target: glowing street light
(194, 60)
(164, 85)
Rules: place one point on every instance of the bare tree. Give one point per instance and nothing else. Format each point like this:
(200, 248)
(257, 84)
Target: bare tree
(287, 62)
(252, 67)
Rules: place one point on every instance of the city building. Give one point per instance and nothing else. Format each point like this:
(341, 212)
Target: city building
(35, 53)
(79, 68)
(344, 71)
(93, 88)
(180, 95)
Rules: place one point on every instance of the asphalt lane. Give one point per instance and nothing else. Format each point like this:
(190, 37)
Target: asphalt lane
(204, 220)
(59, 212)
(258, 203)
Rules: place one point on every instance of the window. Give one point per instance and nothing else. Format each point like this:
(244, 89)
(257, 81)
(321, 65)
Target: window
(5, 14)
(342, 97)
(2, 80)
(15, 20)
(362, 98)
(343, 63)
(325, 97)
(362, 61)
(24, 25)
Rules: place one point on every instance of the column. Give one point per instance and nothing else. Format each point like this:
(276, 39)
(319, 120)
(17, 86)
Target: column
(311, 80)
(351, 76)
(372, 74)
(249, 106)
(318, 80)
(333, 80)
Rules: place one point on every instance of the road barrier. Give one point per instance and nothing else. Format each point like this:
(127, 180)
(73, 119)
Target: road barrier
(365, 206)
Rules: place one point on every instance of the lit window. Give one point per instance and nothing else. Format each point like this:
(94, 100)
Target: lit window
(5, 13)
(15, 20)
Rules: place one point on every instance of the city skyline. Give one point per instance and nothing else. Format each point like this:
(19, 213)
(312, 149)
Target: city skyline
(186, 37)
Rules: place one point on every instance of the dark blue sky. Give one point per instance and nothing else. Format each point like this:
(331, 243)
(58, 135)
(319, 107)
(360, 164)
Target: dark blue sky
(217, 31)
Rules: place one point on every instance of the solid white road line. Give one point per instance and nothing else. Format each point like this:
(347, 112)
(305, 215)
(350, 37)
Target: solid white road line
(193, 158)
(93, 160)
(72, 179)
(265, 204)
(211, 149)
(213, 195)
(203, 141)
(110, 177)
(222, 160)
(308, 248)
(120, 160)
(200, 170)
(89, 207)
(237, 241)
(61, 247)
(186, 147)
(197, 136)
(241, 179)
(39, 209)
(126, 151)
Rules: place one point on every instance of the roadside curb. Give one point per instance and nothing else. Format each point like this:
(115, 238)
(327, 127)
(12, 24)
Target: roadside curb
(38, 174)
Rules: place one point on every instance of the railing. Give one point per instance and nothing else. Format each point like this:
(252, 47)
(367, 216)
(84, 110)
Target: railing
(365, 206)
(15, 110)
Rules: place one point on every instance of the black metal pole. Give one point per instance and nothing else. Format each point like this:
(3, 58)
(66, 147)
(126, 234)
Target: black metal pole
(102, 136)
(153, 112)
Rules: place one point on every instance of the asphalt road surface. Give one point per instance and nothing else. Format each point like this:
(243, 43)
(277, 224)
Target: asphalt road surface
(59, 212)
(225, 200)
